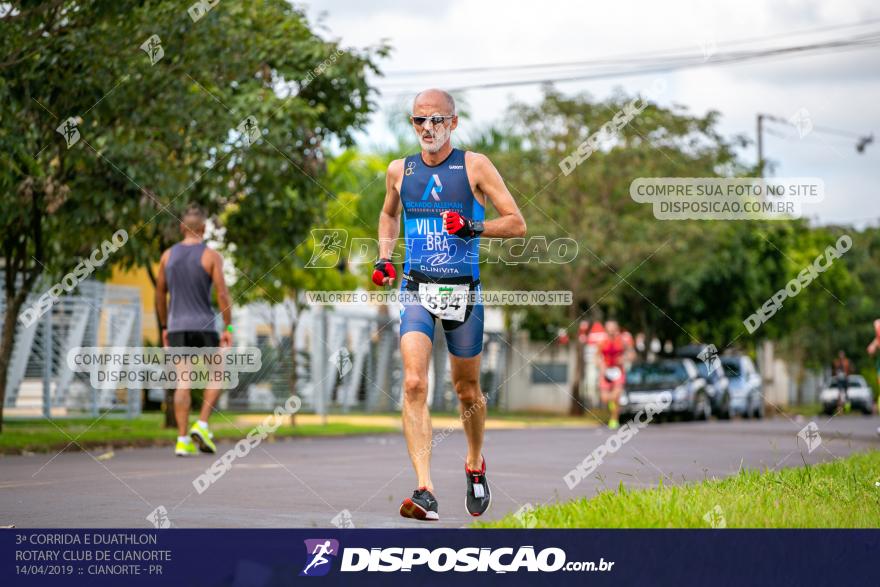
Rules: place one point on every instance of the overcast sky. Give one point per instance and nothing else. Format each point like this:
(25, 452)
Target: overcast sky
(840, 90)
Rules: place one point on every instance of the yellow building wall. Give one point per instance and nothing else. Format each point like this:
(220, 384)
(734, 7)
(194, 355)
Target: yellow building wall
(139, 278)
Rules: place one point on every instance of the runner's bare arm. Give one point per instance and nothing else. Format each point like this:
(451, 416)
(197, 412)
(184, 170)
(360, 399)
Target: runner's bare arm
(510, 222)
(223, 299)
(162, 298)
(389, 217)
(162, 292)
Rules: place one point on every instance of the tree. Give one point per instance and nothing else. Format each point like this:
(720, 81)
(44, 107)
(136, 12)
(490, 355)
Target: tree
(591, 204)
(160, 126)
(287, 270)
(684, 281)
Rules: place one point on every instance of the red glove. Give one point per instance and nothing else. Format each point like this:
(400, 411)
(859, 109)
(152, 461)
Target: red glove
(456, 224)
(383, 269)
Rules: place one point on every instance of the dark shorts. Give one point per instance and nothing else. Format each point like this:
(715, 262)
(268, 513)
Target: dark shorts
(194, 338)
(464, 339)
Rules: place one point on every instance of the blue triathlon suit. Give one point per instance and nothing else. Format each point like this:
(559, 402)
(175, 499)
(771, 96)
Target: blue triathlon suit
(433, 255)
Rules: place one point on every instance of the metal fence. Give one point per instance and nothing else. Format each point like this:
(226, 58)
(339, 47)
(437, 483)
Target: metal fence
(40, 382)
(345, 360)
(335, 359)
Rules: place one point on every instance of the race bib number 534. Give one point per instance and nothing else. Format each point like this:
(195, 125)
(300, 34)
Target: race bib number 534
(447, 302)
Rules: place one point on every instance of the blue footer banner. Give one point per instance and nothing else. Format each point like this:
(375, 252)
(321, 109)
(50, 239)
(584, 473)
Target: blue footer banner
(267, 558)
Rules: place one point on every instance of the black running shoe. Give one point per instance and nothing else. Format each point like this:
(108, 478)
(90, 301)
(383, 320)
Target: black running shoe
(478, 495)
(421, 506)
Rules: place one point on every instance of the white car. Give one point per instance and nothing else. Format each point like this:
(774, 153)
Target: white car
(860, 396)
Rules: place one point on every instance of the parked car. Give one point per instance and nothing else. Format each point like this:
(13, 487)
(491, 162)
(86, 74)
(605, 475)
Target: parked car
(153, 399)
(745, 386)
(860, 395)
(675, 382)
(711, 370)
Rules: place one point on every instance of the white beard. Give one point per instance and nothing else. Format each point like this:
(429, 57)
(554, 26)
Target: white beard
(440, 135)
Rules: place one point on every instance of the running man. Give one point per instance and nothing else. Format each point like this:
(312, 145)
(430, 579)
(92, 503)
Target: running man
(442, 193)
(874, 347)
(187, 271)
(320, 559)
(872, 350)
(841, 369)
(613, 351)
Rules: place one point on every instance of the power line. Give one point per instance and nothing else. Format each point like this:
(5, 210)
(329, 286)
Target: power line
(867, 40)
(805, 127)
(809, 137)
(834, 131)
(622, 59)
(816, 128)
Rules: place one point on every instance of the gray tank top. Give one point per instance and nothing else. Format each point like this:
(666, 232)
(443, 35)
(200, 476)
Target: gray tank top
(190, 288)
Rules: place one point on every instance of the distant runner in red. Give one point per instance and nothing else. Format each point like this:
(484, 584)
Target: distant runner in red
(841, 369)
(615, 349)
(874, 347)
(872, 350)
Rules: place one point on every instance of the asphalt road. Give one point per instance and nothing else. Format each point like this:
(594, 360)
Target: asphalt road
(308, 482)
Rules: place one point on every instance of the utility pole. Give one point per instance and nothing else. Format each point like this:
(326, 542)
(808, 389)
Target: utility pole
(862, 141)
(761, 144)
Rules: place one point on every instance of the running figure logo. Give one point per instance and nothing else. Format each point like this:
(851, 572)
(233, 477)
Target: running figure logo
(249, 130)
(709, 356)
(317, 552)
(329, 248)
(810, 435)
(153, 48)
(69, 131)
(433, 188)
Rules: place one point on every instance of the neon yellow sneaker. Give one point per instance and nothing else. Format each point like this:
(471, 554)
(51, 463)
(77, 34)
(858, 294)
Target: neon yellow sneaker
(613, 424)
(185, 448)
(203, 437)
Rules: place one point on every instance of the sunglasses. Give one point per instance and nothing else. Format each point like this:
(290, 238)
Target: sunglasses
(435, 120)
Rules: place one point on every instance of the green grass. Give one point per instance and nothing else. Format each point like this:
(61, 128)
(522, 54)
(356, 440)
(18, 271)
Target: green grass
(43, 435)
(838, 494)
(813, 409)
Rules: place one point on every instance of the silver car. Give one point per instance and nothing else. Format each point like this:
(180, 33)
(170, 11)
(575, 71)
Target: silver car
(745, 387)
(860, 396)
(673, 383)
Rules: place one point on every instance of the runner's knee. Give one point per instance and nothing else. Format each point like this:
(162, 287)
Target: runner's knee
(415, 387)
(468, 391)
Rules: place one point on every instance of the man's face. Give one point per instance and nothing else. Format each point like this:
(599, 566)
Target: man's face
(612, 328)
(432, 137)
